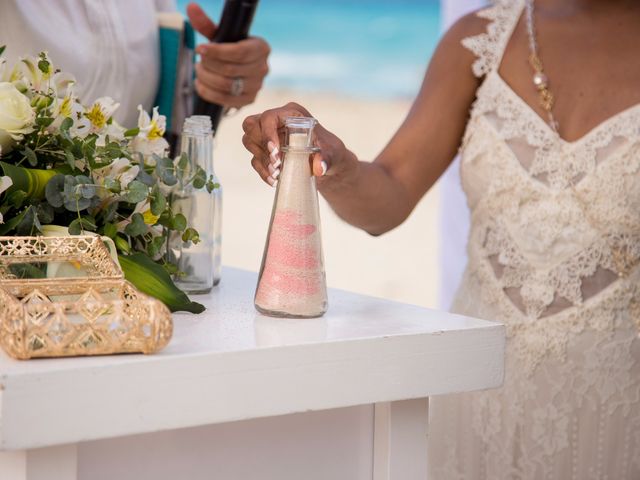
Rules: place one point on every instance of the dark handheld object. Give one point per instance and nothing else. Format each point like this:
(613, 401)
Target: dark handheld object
(237, 16)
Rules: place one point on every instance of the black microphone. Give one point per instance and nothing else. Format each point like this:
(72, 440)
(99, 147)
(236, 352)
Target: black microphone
(235, 22)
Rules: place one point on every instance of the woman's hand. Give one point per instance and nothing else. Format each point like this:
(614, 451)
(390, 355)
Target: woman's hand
(229, 74)
(263, 136)
(378, 196)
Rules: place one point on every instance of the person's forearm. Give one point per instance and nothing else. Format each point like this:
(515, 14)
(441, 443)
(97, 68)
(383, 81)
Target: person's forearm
(367, 197)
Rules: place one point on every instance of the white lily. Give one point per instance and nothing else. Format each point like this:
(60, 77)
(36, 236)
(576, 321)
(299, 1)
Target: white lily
(97, 116)
(67, 106)
(144, 208)
(120, 169)
(61, 83)
(114, 131)
(150, 138)
(32, 73)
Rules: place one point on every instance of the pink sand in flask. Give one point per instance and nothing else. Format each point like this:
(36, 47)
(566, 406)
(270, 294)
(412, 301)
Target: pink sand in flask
(292, 279)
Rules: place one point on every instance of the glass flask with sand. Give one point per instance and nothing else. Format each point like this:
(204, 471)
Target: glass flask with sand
(292, 277)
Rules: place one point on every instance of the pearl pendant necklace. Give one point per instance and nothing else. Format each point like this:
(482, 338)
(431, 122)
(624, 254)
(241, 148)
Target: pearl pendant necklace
(540, 79)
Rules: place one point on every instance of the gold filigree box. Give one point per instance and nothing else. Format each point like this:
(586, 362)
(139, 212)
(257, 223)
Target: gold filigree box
(66, 296)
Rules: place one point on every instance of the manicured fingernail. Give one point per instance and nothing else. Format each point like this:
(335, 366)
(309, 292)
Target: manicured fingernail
(273, 169)
(275, 174)
(273, 152)
(277, 164)
(271, 181)
(323, 164)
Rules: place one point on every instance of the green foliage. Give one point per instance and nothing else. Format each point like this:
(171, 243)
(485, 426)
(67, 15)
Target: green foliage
(136, 192)
(137, 226)
(82, 224)
(152, 279)
(30, 180)
(92, 180)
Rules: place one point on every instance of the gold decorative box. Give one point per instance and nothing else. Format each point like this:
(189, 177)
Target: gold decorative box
(66, 296)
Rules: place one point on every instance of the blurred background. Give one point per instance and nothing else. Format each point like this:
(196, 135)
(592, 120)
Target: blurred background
(356, 65)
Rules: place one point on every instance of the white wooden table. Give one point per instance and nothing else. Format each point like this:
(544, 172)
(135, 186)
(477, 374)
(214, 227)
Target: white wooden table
(240, 396)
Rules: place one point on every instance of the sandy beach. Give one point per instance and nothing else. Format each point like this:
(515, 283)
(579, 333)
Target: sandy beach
(401, 265)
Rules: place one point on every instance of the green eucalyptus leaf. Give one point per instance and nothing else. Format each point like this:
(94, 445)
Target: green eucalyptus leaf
(165, 170)
(136, 192)
(191, 235)
(71, 160)
(54, 191)
(179, 222)
(44, 65)
(108, 213)
(85, 187)
(170, 268)
(75, 227)
(165, 219)
(30, 155)
(74, 201)
(45, 213)
(200, 178)
(155, 245)
(137, 226)
(80, 225)
(211, 184)
(113, 185)
(183, 166)
(145, 178)
(158, 202)
(29, 225)
(66, 124)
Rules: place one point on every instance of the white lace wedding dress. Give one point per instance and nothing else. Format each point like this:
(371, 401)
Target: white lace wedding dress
(554, 253)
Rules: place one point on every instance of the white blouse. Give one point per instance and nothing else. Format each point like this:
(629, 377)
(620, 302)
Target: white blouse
(110, 46)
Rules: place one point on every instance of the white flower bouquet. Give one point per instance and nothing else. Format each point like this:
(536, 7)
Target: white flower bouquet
(69, 167)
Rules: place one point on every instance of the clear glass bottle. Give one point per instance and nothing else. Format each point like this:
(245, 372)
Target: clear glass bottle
(198, 263)
(292, 280)
(217, 204)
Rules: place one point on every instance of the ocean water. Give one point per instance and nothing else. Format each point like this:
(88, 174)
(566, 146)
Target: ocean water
(363, 48)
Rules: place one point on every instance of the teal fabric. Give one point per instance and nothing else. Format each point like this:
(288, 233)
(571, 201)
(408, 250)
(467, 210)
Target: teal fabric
(171, 46)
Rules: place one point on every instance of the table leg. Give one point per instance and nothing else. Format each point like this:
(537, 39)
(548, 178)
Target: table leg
(51, 463)
(400, 440)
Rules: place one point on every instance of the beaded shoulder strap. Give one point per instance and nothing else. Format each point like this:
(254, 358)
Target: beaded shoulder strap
(489, 46)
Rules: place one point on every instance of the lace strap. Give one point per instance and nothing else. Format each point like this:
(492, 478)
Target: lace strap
(490, 45)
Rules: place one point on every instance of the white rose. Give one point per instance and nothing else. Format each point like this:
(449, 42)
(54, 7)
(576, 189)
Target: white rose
(16, 116)
(5, 183)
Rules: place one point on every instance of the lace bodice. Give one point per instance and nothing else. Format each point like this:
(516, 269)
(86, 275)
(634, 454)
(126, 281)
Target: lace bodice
(555, 224)
(554, 253)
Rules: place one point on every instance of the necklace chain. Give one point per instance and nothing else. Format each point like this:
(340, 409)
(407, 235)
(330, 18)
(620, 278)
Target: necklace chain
(540, 79)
